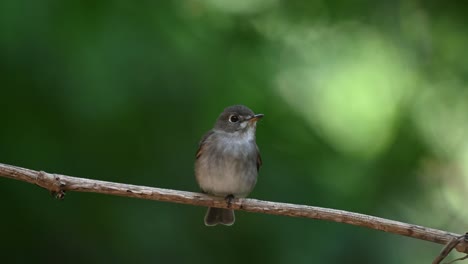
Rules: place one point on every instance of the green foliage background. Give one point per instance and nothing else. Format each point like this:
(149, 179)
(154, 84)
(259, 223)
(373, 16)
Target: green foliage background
(365, 107)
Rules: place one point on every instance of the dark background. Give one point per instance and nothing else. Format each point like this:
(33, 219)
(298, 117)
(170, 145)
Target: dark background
(365, 107)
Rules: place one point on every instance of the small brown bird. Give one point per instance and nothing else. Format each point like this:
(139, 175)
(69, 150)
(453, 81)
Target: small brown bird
(228, 160)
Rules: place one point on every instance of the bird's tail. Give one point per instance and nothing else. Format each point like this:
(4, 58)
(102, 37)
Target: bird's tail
(216, 216)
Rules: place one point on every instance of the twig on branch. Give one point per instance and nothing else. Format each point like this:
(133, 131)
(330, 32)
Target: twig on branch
(449, 247)
(58, 184)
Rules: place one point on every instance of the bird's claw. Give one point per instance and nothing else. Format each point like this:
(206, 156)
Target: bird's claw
(229, 199)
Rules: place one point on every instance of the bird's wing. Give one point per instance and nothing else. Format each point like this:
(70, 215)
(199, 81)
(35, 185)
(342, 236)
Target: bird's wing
(202, 144)
(259, 159)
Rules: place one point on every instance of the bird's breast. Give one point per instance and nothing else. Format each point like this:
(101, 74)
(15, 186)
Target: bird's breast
(227, 166)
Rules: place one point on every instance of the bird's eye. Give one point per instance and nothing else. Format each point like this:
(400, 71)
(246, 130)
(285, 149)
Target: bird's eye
(233, 119)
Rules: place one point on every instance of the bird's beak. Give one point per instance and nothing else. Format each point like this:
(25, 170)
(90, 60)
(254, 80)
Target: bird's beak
(255, 118)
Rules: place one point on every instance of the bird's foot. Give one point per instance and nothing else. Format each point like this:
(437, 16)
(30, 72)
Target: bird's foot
(229, 199)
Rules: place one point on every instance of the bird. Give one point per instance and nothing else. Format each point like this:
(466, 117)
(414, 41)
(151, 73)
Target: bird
(228, 160)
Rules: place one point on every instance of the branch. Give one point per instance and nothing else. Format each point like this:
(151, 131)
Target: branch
(58, 184)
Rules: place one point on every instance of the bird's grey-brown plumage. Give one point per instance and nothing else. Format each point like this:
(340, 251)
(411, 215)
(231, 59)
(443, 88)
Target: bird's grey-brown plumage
(228, 160)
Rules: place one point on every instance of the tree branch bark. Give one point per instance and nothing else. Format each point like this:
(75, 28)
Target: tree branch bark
(58, 184)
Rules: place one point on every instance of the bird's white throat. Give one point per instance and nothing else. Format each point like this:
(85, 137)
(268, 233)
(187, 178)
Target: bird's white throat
(240, 137)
